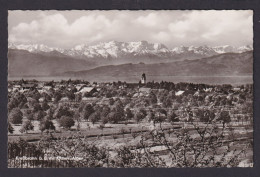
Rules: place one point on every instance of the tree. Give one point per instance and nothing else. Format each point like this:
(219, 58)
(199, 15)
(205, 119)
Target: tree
(50, 113)
(151, 116)
(66, 122)
(37, 107)
(172, 117)
(16, 116)
(160, 118)
(70, 95)
(27, 126)
(88, 110)
(153, 98)
(76, 116)
(94, 117)
(40, 115)
(63, 111)
(30, 116)
(163, 111)
(46, 96)
(13, 103)
(105, 111)
(207, 116)
(167, 102)
(111, 101)
(117, 114)
(140, 115)
(129, 114)
(104, 120)
(57, 96)
(10, 128)
(45, 106)
(78, 97)
(143, 111)
(101, 126)
(46, 125)
(224, 117)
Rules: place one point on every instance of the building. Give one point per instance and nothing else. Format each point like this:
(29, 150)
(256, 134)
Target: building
(87, 90)
(143, 79)
(145, 90)
(28, 86)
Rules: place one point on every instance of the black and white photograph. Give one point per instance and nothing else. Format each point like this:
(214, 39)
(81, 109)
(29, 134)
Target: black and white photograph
(130, 89)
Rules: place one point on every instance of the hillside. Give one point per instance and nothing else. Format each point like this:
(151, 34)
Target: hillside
(229, 64)
(24, 63)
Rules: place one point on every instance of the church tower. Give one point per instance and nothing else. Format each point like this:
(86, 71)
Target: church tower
(143, 79)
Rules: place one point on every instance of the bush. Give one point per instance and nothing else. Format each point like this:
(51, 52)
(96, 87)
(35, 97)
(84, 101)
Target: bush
(16, 116)
(66, 122)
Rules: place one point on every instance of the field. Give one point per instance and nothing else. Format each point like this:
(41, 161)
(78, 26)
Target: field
(130, 125)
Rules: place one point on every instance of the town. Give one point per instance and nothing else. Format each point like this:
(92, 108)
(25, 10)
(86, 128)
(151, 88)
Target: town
(121, 119)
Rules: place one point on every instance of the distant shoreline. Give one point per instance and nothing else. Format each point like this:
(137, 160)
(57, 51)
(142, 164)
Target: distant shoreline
(244, 79)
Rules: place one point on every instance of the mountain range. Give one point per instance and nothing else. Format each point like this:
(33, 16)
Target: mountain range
(119, 50)
(41, 60)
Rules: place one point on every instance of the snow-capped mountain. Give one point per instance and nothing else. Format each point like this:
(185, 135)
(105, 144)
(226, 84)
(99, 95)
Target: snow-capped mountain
(231, 49)
(201, 50)
(114, 49)
(34, 48)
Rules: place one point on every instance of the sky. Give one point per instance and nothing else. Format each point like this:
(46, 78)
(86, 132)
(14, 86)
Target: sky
(65, 29)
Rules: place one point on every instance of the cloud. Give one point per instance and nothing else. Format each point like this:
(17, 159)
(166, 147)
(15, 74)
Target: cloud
(172, 28)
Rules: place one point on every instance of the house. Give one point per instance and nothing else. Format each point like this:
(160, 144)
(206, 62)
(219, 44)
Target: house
(236, 89)
(208, 89)
(145, 90)
(79, 86)
(46, 88)
(41, 99)
(89, 90)
(64, 99)
(90, 99)
(123, 86)
(180, 92)
(40, 85)
(16, 87)
(28, 86)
